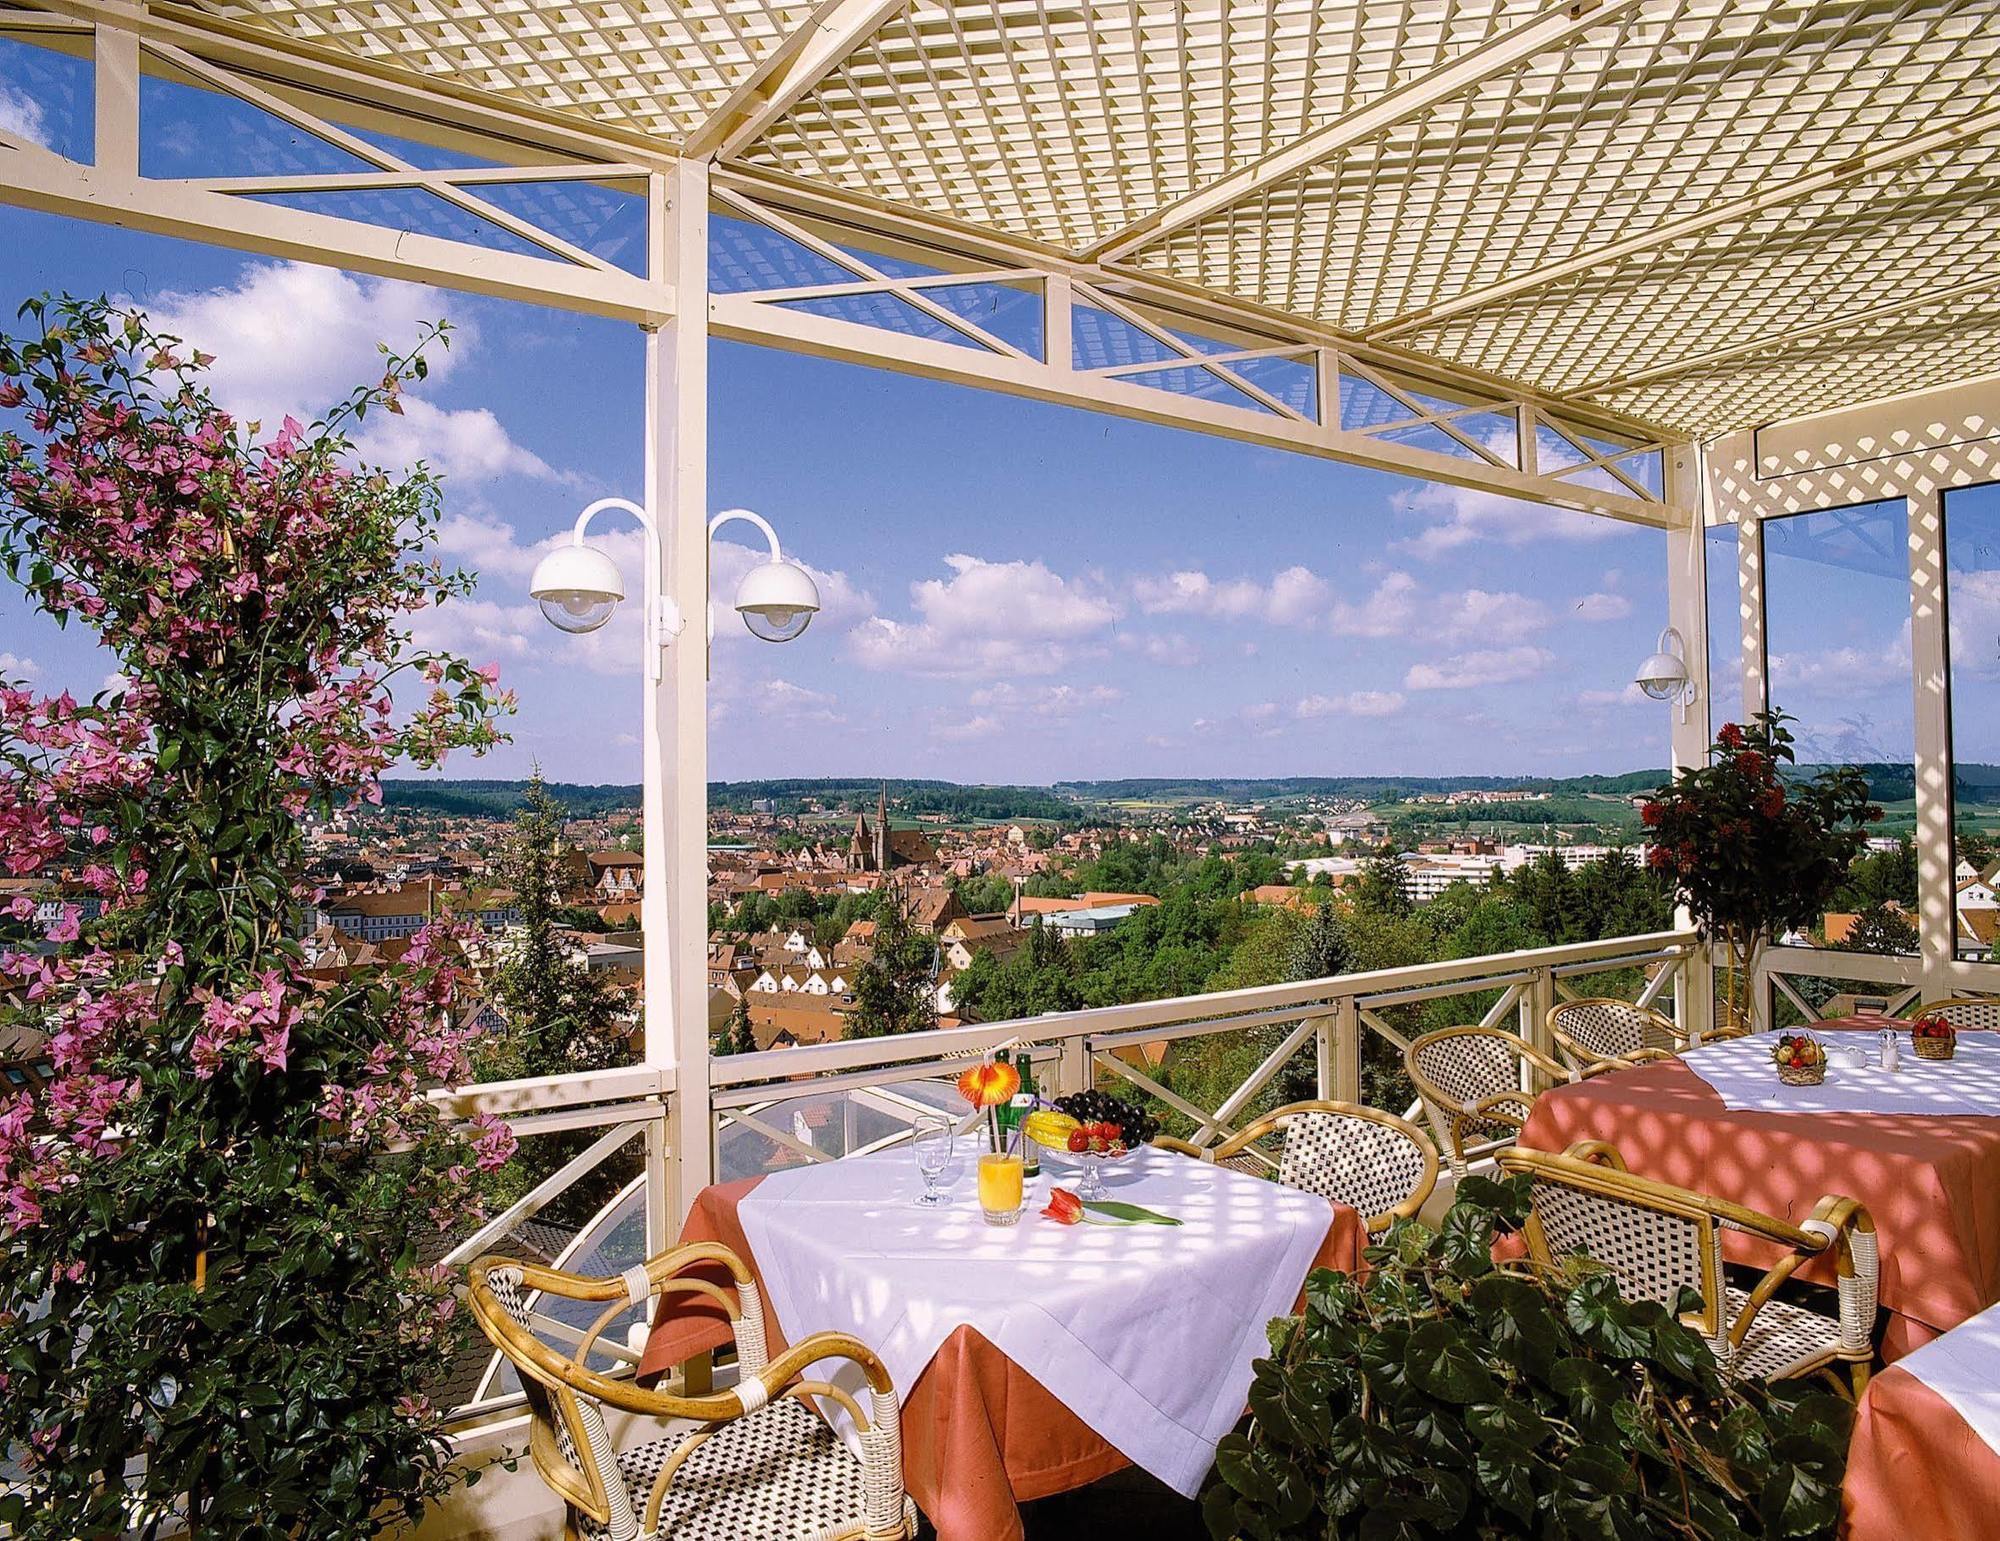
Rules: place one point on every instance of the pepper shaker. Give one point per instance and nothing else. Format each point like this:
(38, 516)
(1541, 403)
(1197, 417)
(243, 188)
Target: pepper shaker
(1892, 1054)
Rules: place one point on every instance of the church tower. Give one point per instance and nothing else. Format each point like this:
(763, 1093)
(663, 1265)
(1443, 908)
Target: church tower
(882, 830)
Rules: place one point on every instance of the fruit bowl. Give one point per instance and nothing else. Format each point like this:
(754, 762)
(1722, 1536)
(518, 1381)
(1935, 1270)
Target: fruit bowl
(1800, 1058)
(1934, 1038)
(1089, 1130)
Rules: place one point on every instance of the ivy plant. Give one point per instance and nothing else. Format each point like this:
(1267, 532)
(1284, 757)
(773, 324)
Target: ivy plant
(1446, 1396)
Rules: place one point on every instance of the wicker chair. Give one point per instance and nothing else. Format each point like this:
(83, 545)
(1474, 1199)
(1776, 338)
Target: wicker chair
(1604, 1033)
(1470, 1081)
(1659, 1240)
(762, 1461)
(1372, 1161)
(1968, 1013)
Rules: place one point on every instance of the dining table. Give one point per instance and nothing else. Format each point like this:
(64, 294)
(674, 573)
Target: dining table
(1033, 1358)
(1925, 1455)
(1919, 1146)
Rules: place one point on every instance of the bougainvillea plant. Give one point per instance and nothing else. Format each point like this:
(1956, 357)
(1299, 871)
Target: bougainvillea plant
(212, 1312)
(1754, 851)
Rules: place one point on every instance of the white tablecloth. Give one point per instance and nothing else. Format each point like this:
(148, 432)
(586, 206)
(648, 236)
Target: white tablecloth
(1743, 1075)
(1963, 1367)
(1147, 1333)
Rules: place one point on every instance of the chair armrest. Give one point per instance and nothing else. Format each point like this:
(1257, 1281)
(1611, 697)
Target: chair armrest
(1182, 1147)
(1845, 1226)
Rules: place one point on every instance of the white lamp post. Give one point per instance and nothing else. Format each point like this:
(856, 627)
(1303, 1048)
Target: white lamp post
(1664, 674)
(578, 585)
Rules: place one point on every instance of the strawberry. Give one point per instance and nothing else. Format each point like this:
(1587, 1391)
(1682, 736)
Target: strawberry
(1079, 1140)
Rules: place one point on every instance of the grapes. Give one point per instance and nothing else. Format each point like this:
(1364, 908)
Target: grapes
(1095, 1107)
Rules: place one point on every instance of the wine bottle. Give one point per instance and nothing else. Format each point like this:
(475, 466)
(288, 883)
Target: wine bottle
(1025, 1101)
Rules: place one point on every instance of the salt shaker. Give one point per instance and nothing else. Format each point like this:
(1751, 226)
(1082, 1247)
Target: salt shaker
(1892, 1054)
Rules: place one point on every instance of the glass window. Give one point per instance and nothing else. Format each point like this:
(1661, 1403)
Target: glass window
(1972, 607)
(1837, 646)
(1725, 629)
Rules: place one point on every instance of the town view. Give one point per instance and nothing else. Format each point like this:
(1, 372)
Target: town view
(849, 908)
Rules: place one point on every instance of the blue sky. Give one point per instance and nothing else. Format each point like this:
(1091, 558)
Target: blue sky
(1014, 591)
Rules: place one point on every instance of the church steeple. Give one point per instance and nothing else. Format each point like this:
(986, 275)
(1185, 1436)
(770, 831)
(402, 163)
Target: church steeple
(882, 829)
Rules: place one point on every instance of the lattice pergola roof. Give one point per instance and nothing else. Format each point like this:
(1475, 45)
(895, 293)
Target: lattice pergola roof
(1709, 213)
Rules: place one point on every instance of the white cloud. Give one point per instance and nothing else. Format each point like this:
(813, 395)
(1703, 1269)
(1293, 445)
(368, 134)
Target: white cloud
(1390, 611)
(1631, 695)
(16, 666)
(1058, 701)
(1294, 597)
(265, 368)
(1486, 666)
(988, 620)
(981, 726)
(1602, 607)
(1354, 703)
(21, 116)
(1479, 616)
(1170, 650)
(1844, 668)
(1457, 516)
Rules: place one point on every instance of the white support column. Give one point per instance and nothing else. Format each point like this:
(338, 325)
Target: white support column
(1687, 611)
(675, 903)
(1930, 675)
(1750, 614)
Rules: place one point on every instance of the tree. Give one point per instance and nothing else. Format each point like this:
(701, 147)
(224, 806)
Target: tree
(1751, 852)
(1320, 948)
(895, 991)
(1383, 885)
(211, 1314)
(1880, 930)
(737, 1037)
(560, 1016)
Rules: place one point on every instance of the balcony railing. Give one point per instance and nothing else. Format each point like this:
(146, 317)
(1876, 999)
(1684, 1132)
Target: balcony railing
(826, 1101)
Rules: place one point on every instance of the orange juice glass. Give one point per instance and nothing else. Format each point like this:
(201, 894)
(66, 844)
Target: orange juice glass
(1000, 1188)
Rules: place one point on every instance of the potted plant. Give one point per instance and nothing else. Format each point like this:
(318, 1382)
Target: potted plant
(1446, 1396)
(1753, 850)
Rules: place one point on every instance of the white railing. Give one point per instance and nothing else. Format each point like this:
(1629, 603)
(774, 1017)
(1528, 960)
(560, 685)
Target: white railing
(822, 1102)
(1892, 982)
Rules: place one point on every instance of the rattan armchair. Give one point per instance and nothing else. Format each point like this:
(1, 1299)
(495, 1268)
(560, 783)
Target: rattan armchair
(1659, 1240)
(1969, 1012)
(1372, 1161)
(1470, 1081)
(760, 1462)
(1603, 1033)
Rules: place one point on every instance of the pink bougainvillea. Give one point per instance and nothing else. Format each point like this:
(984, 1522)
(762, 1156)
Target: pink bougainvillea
(223, 1129)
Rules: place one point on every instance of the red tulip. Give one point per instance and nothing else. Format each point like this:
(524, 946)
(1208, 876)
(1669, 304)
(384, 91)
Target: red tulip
(1065, 1208)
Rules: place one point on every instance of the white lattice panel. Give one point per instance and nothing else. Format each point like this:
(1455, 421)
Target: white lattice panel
(1666, 110)
(1853, 249)
(1926, 346)
(658, 68)
(1066, 123)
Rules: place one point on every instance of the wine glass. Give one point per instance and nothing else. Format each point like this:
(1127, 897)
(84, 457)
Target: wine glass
(930, 1138)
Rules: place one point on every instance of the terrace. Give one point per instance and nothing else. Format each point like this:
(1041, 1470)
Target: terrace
(1726, 272)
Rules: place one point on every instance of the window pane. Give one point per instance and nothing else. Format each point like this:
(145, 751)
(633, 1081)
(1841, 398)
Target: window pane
(1972, 603)
(1725, 629)
(1837, 640)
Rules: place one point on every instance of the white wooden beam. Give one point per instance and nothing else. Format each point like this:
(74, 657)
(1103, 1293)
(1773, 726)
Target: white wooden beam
(1552, 29)
(35, 179)
(783, 79)
(1885, 157)
(743, 318)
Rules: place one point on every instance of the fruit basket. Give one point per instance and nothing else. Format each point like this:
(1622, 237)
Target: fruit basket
(1090, 1130)
(1800, 1058)
(1933, 1038)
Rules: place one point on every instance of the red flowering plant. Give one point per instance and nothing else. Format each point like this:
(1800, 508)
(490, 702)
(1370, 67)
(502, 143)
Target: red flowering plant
(212, 1311)
(1753, 848)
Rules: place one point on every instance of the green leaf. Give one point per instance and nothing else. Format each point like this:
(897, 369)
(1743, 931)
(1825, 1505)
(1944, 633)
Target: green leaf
(1510, 1425)
(1128, 1214)
(1443, 1365)
(1604, 1320)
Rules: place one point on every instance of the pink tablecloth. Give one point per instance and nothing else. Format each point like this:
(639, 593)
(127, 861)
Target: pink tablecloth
(979, 1433)
(1916, 1469)
(1932, 1184)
